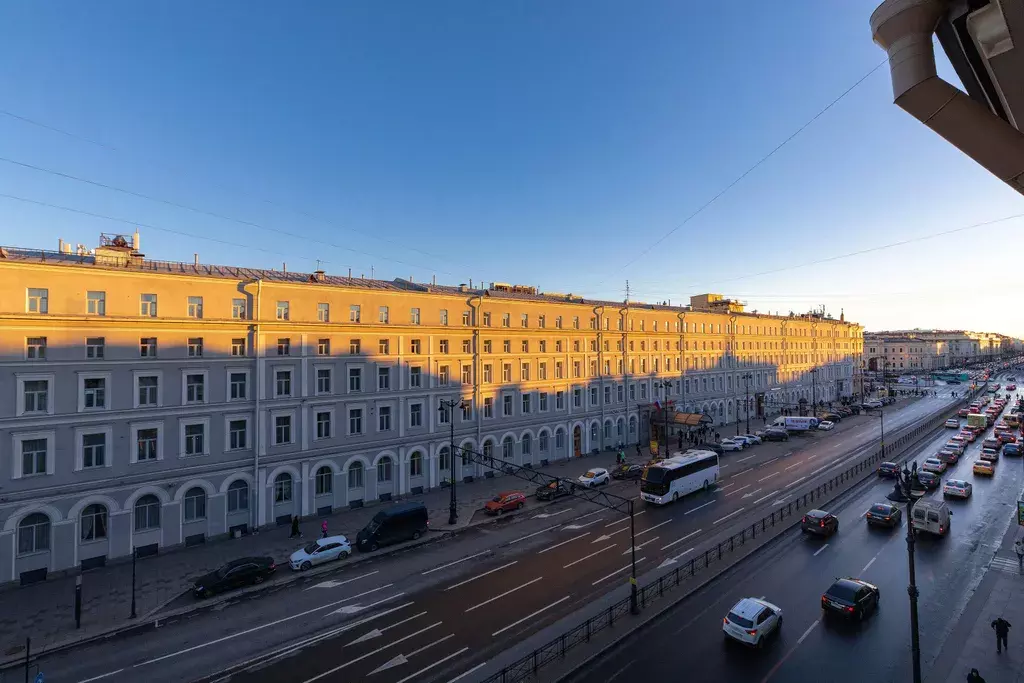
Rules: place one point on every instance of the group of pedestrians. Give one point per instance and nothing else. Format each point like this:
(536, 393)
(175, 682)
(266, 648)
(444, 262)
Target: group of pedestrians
(297, 532)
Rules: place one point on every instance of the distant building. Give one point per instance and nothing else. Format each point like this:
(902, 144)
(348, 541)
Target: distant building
(911, 351)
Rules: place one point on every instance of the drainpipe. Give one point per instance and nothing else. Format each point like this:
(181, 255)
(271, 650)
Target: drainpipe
(904, 28)
(257, 436)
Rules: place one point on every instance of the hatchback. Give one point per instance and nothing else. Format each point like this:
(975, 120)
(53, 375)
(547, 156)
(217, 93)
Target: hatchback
(888, 470)
(953, 423)
(884, 514)
(732, 444)
(826, 425)
(820, 523)
(505, 502)
(320, 551)
(935, 465)
(929, 480)
(751, 621)
(851, 598)
(957, 488)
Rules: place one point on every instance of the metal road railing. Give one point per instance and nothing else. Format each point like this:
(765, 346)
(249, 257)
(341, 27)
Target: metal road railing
(556, 649)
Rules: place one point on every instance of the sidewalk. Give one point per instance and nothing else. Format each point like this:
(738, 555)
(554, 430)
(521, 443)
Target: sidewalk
(45, 611)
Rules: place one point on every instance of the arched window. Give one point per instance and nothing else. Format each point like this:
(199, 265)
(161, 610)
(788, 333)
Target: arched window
(560, 438)
(34, 534)
(324, 481)
(147, 513)
(632, 426)
(238, 496)
(544, 442)
(384, 468)
(488, 450)
(283, 488)
(94, 522)
(619, 426)
(355, 475)
(527, 443)
(608, 429)
(444, 459)
(195, 504)
(593, 435)
(506, 448)
(416, 464)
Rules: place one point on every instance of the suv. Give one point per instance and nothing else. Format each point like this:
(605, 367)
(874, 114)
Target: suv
(505, 502)
(819, 522)
(773, 434)
(751, 621)
(552, 490)
(852, 598)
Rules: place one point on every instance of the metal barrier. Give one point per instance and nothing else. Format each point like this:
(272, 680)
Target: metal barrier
(529, 665)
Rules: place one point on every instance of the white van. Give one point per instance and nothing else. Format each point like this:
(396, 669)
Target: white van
(932, 516)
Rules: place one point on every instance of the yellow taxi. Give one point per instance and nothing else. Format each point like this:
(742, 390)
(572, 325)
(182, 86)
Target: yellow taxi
(984, 467)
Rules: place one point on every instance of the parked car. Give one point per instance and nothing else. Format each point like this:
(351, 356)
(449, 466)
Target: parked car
(319, 551)
(830, 417)
(819, 522)
(594, 477)
(508, 501)
(952, 423)
(888, 470)
(245, 571)
(716, 447)
(732, 444)
(826, 425)
(957, 488)
(751, 438)
(394, 524)
(743, 439)
(884, 514)
(775, 435)
(851, 598)
(551, 490)
(934, 465)
(752, 621)
(628, 471)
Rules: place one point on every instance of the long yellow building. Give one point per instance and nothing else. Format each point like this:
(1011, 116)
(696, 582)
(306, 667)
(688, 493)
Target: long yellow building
(152, 404)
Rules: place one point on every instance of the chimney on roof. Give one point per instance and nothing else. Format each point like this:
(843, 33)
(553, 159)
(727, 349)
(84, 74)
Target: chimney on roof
(135, 241)
(462, 287)
(195, 259)
(319, 276)
(60, 245)
(433, 279)
(284, 267)
(471, 283)
(349, 273)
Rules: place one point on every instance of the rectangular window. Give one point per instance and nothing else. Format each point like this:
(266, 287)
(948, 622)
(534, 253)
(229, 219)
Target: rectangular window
(33, 457)
(147, 305)
(95, 347)
(488, 373)
(443, 376)
(415, 415)
(506, 406)
(506, 346)
(593, 396)
(542, 370)
(414, 316)
(146, 444)
(384, 347)
(488, 407)
(467, 410)
(576, 369)
(237, 434)
(559, 400)
(95, 392)
(525, 346)
(38, 301)
(506, 372)
(524, 320)
(541, 322)
(353, 347)
(526, 404)
(355, 379)
(284, 346)
(506, 320)
(466, 346)
(575, 322)
(36, 394)
(465, 318)
(148, 387)
(96, 303)
(195, 347)
(577, 398)
(323, 312)
(542, 402)
(283, 310)
(195, 439)
(355, 421)
(444, 316)
(558, 346)
(35, 348)
(383, 379)
(195, 388)
(467, 374)
(323, 380)
(442, 346)
(415, 347)
(607, 395)
(487, 319)
(283, 383)
(238, 382)
(354, 313)
(487, 346)
(524, 372)
(415, 377)
(323, 347)
(383, 316)
(94, 450)
(444, 415)
(558, 369)
(238, 309)
(195, 307)
(323, 424)
(282, 429)
(384, 419)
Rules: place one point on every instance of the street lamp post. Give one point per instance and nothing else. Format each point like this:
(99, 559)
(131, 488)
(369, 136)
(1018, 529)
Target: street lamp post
(450, 406)
(814, 392)
(663, 449)
(746, 406)
(905, 491)
(135, 555)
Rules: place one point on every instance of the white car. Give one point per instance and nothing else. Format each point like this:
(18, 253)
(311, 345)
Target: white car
(751, 438)
(319, 551)
(934, 465)
(956, 444)
(953, 423)
(825, 425)
(873, 403)
(958, 488)
(594, 477)
(751, 621)
(732, 444)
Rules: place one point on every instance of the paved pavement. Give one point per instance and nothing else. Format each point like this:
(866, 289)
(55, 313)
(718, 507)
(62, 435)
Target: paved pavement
(45, 611)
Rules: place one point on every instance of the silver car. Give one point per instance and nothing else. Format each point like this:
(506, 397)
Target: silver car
(319, 551)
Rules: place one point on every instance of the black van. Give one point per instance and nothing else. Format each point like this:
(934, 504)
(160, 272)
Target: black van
(400, 522)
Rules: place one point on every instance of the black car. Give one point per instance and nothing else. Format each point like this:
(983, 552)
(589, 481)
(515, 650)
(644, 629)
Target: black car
(888, 470)
(928, 480)
(831, 417)
(775, 435)
(245, 571)
(552, 490)
(851, 598)
(884, 514)
(628, 471)
(820, 523)
(716, 447)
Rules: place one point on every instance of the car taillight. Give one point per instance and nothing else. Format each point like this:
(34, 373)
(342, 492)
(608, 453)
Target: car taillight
(273, 566)
(804, 520)
(725, 621)
(887, 519)
(752, 633)
(821, 523)
(824, 600)
(850, 610)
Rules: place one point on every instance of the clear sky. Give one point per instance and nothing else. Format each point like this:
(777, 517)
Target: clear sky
(546, 143)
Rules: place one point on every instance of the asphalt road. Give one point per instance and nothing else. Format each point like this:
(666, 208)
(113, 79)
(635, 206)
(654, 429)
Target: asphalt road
(796, 571)
(439, 610)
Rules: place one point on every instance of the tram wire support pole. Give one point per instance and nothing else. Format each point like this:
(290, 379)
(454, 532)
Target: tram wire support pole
(449, 406)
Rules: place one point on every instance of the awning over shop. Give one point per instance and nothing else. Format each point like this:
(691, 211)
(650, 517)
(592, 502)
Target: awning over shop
(681, 419)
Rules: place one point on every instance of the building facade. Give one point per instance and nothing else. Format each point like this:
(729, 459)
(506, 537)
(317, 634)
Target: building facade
(150, 404)
(909, 351)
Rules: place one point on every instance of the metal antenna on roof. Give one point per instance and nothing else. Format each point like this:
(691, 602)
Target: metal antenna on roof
(627, 292)
(371, 272)
(318, 265)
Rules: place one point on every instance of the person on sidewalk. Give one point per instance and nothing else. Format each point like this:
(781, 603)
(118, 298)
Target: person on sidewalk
(974, 677)
(1002, 627)
(323, 529)
(295, 527)
(1018, 548)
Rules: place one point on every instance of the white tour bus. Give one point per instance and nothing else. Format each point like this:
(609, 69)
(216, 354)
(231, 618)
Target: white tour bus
(670, 480)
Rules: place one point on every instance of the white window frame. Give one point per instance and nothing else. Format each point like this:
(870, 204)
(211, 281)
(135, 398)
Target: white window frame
(323, 311)
(182, 423)
(234, 417)
(423, 416)
(334, 422)
(194, 307)
(236, 312)
(159, 374)
(317, 367)
(274, 369)
(392, 411)
(16, 459)
(349, 367)
(348, 422)
(149, 306)
(107, 389)
(86, 346)
(135, 428)
(21, 378)
(227, 384)
(101, 302)
(43, 307)
(108, 454)
(184, 386)
(292, 429)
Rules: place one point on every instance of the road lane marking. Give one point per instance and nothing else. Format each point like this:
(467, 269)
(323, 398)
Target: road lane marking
(466, 673)
(528, 616)
(747, 458)
(821, 469)
(574, 527)
(870, 562)
(735, 491)
(605, 537)
(810, 628)
(624, 519)
(819, 550)
(722, 467)
(480, 576)
(767, 462)
(607, 547)
(431, 666)
(794, 483)
(589, 514)
(335, 584)
(722, 488)
(782, 661)
(796, 464)
(377, 632)
(574, 538)
(96, 678)
(620, 569)
(652, 528)
(710, 502)
(616, 674)
(536, 533)
(692, 533)
(647, 542)
(773, 474)
(369, 654)
(452, 564)
(508, 592)
(545, 515)
(735, 512)
(764, 497)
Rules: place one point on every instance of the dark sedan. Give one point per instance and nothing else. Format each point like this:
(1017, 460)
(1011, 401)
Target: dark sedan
(929, 480)
(820, 523)
(245, 571)
(851, 598)
(628, 471)
(716, 447)
(552, 490)
(775, 435)
(888, 470)
(884, 514)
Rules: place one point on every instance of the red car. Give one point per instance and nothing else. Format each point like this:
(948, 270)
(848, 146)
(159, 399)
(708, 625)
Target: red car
(505, 502)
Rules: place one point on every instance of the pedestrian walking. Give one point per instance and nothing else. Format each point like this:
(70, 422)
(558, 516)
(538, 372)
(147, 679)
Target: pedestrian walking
(323, 529)
(974, 677)
(1018, 548)
(1002, 629)
(295, 527)
(622, 457)
(638, 453)
(717, 438)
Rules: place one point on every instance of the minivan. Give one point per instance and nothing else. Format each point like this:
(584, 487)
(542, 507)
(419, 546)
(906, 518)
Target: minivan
(395, 524)
(932, 516)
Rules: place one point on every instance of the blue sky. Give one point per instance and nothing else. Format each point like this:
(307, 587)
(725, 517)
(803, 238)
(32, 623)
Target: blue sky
(544, 143)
